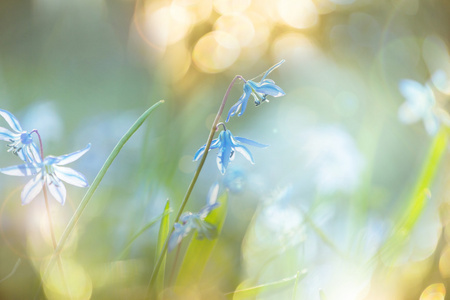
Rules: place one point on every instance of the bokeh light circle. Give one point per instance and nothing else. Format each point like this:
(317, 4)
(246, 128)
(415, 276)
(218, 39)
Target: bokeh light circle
(237, 25)
(216, 51)
(298, 14)
(231, 6)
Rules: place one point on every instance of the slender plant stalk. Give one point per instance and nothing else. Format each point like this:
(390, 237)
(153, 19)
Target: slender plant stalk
(192, 184)
(50, 223)
(418, 199)
(14, 269)
(87, 197)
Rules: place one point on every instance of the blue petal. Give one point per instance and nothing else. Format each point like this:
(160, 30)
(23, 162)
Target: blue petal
(416, 93)
(272, 68)
(21, 170)
(32, 189)
(214, 144)
(207, 209)
(57, 189)
(71, 176)
(33, 153)
(249, 142)
(269, 89)
(5, 134)
(245, 96)
(176, 236)
(212, 194)
(68, 158)
(11, 120)
(241, 104)
(245, 152)
(225, 151)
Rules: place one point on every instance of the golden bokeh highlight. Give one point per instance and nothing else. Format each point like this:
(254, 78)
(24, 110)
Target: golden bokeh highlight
(225, 7)
(434, 292)
(294, 47)
(216, 51)
(237, 25)
(444, 262)
(199, 10)
(166, 25)
(78, 282)
(299, 14)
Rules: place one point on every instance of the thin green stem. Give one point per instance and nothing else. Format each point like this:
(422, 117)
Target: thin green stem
(87, 197)
(50, 223)
(12, 271)
(418, 199)
(192, 184)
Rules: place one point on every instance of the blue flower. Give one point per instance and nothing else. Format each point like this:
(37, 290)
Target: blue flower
(49, 172)
(196, 221)
(259, 91)
(228, 145)
(419, 104)
(21, 142)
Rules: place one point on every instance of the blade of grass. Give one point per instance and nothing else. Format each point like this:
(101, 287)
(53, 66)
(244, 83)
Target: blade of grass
(90, 192)
(416, 202)
(137, 234)
(14, 269)
(163, 232)
(251, 292)
(199, 251)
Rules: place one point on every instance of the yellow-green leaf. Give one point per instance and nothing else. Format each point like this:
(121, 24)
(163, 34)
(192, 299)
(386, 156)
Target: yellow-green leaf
(162, 236)
(199, 251)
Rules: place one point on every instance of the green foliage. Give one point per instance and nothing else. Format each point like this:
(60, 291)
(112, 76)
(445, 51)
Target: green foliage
(246, 291)
(199, 251)
(164, 230)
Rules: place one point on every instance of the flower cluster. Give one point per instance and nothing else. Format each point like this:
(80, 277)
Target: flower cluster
(226, 142)
(227, 146)
(421, 102)
(259, 91)
(49, 171)
(196, 221)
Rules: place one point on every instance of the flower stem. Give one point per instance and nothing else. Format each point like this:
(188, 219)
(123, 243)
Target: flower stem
(191, 185)
(90, 192)
(50, 223)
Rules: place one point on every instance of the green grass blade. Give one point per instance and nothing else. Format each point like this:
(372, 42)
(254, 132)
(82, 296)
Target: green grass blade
(199, 251)
(163, 232)
(87, 197)
(418, 199)
(152, 222)
(251, 292)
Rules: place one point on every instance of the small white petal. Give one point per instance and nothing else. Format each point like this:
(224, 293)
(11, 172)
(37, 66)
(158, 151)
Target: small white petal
(71, 176)
(212, 195)
(6, 135)
(68, 158)
(32, 189)
(11, 120)
(250, 142)
(57, 189)
(21, 170)
(245, 152)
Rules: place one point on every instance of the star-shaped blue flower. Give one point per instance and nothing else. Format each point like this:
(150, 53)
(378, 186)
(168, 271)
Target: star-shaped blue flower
(259, 91)
(49, 172)
(228, 145)
(21, 142)
(196, 221)
(419, 104)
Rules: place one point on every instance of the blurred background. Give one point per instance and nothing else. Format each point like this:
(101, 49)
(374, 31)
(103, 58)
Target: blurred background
(321, 200)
